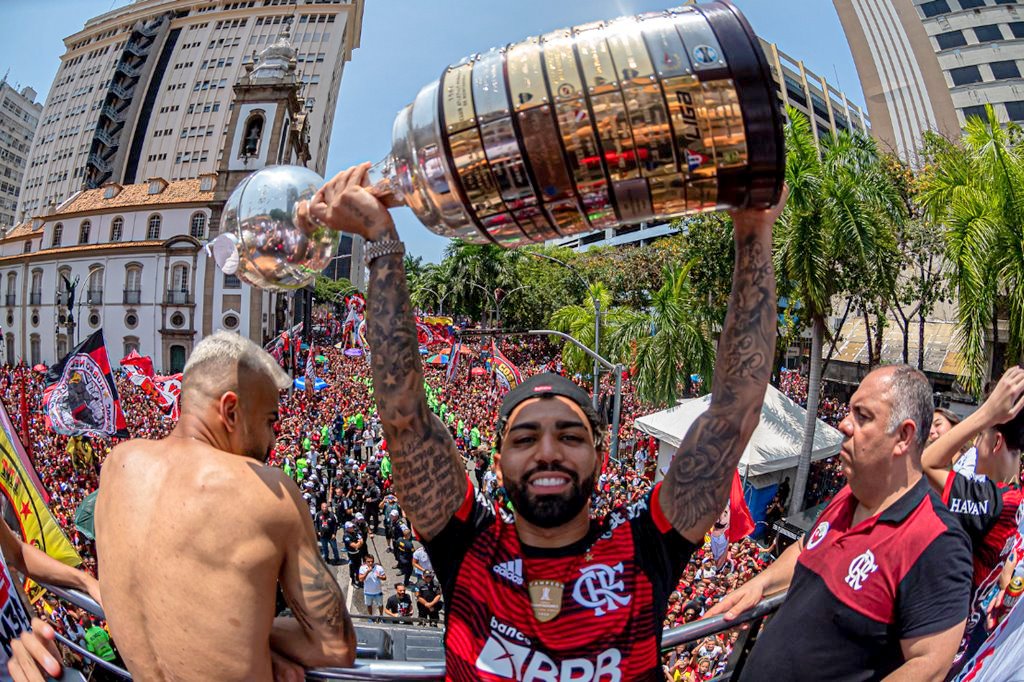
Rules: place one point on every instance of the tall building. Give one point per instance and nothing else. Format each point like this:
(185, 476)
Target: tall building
(145, 90)
(930, 64)
(19, 116)
(129, 257)
(797, 86)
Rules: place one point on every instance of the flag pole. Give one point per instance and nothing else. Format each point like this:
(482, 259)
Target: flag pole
(24, 421)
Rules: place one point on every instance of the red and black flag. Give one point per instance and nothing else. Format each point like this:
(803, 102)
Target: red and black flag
(80, 397)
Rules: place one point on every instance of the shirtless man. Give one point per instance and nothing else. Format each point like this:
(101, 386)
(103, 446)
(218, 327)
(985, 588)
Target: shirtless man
(194, 534)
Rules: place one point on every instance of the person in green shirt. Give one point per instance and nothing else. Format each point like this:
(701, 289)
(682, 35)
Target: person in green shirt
(385, 467)
(98, 642)
(359, 421)
(324, 434)
(301, 464)
(474, 437)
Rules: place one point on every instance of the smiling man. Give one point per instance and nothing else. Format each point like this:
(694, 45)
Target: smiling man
(549, 595)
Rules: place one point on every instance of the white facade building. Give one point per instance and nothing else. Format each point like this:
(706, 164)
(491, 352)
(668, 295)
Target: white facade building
(145, 90)
(134, 258)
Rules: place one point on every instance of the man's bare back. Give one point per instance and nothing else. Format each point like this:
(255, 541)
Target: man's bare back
(193, 542)
(179, 525)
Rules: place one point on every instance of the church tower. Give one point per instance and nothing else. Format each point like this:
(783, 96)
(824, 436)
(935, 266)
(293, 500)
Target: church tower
(267, 127)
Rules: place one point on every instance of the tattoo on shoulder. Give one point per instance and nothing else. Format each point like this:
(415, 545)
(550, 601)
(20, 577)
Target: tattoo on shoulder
(700, 474)
(427, 470)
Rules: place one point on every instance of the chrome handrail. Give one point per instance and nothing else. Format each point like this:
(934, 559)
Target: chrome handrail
(712, 626)
(428, 671)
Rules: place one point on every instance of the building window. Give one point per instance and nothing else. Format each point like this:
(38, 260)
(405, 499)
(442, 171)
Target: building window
(988, 34)
(9, 342)
(62, 346)
(965, 75)
(179, 277)
(198, 226)
(153, 230)
(83, 232)
(950, 40)
(971, 4)
(58, 234)
(232, 282)
(116, 229)
(28, 247)
(34, 355)
(94, 293)
(230, 321)
(1015, 110)
(131, 343)
(177, 359)
(975, 112)
(132, 284)
(252, 136)
(1005, 70)
(36, 292)
(935, 8)
(1017, 29)
(12, 287)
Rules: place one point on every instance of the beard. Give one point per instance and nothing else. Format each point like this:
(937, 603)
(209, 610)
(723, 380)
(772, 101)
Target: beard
(550, 511)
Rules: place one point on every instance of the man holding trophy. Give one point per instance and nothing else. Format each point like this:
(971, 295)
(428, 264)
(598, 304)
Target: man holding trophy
(553, 595)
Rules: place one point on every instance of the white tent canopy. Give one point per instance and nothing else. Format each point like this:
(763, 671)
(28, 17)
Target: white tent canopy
(775, 445)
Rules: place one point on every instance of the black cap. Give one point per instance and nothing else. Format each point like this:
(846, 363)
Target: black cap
(542, 385)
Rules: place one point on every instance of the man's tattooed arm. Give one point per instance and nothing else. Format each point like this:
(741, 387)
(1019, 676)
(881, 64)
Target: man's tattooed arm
(428, 472)
(696, 487)
(320, 633)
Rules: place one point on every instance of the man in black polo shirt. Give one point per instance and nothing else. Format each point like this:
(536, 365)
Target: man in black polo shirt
(881, 585)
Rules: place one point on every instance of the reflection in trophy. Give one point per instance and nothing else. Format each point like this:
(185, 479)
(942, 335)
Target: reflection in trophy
(611, 123)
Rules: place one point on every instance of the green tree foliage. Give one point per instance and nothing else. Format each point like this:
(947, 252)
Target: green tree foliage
(975, 187)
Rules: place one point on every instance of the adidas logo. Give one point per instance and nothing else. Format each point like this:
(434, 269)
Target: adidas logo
(511, 570)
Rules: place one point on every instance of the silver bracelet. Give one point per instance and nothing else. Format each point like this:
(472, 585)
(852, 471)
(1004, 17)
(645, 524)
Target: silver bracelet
(375, 250)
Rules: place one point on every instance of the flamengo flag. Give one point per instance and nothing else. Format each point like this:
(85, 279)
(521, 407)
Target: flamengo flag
(453, 361)
(741, 524)
(171, 385)
(142, 363)
(80, 397)
(150, 387)
(508, 375)
(20, 485)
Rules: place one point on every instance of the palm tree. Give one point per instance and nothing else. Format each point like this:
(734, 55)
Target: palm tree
(976, 189)
(470, 267)
(839, 210)
(668, 341)
(578, 321)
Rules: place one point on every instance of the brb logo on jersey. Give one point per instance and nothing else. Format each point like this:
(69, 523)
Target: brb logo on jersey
(508, 654)
(599, 588)
(860, 568)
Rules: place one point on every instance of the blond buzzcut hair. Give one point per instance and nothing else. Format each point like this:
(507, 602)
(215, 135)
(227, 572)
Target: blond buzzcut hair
(217, 363)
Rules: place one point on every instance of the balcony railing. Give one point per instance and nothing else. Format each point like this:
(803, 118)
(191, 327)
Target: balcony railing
(94, 297)
(178, 297)
(12, 299)
(748, 623)
(132, 296)
(35, 298)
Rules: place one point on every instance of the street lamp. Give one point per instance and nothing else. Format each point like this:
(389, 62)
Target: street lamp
(597, 315)
(505, 295)
(490, 295)
(438, 296)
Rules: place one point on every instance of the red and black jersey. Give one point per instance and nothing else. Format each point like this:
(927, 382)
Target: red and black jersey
(591, 611)
(990, 513)
(858, 590)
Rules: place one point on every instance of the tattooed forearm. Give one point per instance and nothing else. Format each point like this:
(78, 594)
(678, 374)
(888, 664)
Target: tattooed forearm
(697, 484)
(325, 635)
(428, 473)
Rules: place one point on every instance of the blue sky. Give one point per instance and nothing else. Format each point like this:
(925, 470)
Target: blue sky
(407, 43)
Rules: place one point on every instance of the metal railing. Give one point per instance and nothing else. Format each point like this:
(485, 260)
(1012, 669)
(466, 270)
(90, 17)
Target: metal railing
(749, 622)
(175, 297)
(35, 298)
(132, 296)
(12, 299)
(94, 297)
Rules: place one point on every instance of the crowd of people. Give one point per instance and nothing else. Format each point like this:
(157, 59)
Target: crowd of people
(331, 443)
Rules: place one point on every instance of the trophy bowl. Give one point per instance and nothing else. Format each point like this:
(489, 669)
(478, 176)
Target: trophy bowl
(274, 253)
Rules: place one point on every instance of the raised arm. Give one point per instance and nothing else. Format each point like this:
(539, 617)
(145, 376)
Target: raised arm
(696, 486)
(1003, 405)
(320, 634)
(427, 471)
